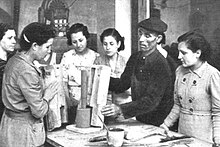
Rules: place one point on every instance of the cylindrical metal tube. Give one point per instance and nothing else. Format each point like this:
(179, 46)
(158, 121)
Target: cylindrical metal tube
(83, 88)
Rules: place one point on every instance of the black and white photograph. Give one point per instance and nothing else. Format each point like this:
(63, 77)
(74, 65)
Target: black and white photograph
(109, 73)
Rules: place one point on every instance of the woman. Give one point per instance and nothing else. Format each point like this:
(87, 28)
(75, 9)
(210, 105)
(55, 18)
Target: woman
(7, 46)
(113, 43)
(25, 98)
(73, 61)
(197, 91)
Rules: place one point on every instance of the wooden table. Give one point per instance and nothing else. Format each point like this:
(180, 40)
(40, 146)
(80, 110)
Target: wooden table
(135, 133)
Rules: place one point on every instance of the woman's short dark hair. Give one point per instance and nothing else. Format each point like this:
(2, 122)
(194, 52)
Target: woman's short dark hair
(75, 28)
(4, 27)
(195, 41)
(114, 33)
(36, 32)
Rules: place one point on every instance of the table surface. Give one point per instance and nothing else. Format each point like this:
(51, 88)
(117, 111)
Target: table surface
(136, 136)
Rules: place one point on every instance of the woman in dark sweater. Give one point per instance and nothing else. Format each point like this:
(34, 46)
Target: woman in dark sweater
(7, 46)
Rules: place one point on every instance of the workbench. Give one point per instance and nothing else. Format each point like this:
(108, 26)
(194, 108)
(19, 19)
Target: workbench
(136, 131)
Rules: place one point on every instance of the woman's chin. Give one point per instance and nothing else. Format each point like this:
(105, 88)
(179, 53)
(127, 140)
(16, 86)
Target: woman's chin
(184, 65)
(80, 51)
(11, 50)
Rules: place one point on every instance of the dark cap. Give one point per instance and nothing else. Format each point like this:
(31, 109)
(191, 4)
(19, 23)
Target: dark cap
(153, 24)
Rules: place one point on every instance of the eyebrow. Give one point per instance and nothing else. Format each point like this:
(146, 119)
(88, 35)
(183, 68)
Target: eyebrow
(182, 51)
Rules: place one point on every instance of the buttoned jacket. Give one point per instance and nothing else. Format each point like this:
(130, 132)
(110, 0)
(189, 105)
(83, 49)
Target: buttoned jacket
(197, 102)
(150, 79)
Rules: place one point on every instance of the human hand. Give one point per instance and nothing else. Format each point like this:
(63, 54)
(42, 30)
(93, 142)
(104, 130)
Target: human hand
(166, 130)
(51, 90)
(111, 110)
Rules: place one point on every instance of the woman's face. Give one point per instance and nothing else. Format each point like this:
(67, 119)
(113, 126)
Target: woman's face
(8, 41)
(79, 42)
(110, 45)
(44, 49)
(187, 57)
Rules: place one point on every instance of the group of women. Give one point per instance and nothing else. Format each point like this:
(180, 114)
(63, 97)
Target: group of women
(80, 57)
(25, 98)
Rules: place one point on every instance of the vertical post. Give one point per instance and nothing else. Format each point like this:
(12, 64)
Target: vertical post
(134, 23)
(83, 88)
(147, 9)
(123, 10)
(16, 14)
(83, 114)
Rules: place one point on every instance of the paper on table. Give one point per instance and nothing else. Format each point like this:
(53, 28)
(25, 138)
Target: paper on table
(144, 135)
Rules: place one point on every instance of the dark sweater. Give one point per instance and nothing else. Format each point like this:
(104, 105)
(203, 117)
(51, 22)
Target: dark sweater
(151, 82)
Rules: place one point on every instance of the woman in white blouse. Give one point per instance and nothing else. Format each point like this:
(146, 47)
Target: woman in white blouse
(76, 59)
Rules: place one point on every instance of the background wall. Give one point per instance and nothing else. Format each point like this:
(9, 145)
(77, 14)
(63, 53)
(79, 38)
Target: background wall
(180, 15)
(185, 15)
(6, 11)
(176, 15)
(82, 11)
(123, 23)
(95, 14)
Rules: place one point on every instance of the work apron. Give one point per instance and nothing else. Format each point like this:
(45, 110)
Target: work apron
(21, 130)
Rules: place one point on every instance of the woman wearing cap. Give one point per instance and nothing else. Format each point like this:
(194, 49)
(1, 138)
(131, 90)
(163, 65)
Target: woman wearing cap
(7, 46)
(197, 91)
(73, 61)
(23, 94)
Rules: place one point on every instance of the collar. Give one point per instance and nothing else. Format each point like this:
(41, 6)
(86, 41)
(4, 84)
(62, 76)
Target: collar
(199, 71)
(162, 50)
(153, 54)
(73, 52)
(23, 57)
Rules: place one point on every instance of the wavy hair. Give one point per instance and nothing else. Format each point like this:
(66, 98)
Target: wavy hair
(75, 28)
(114, 33)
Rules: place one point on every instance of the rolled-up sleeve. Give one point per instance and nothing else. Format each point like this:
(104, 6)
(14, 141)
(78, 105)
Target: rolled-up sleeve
(32, 90)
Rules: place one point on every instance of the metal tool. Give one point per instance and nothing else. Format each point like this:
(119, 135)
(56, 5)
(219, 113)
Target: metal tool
(103, 123)
(150, 135)
(173, 138)
(98, 138)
